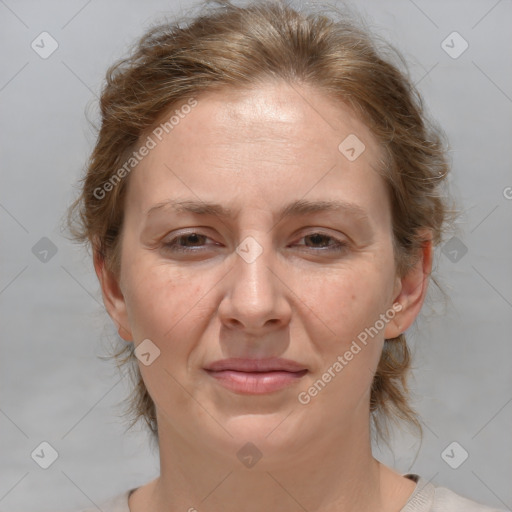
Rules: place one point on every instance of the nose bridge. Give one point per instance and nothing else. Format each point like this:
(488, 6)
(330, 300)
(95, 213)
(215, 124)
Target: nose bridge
(254, 292)
(254, 259)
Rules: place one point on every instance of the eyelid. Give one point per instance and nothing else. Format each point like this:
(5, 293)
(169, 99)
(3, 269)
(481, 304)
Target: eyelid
(339, 243)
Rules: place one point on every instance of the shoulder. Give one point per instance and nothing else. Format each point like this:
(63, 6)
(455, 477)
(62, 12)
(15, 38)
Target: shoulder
(430, 498)
(449, 501)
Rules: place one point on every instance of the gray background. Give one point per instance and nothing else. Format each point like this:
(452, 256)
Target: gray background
(54, 387)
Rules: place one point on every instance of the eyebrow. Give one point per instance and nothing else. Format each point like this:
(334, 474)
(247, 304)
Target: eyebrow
(294, 209)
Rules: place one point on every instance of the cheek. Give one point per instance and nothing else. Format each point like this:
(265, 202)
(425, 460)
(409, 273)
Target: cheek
(348, 301)
(160, 299)
(349, 304)
(172, 307)
(160, 307)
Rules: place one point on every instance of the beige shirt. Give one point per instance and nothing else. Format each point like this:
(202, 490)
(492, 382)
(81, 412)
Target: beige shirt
(425, 498)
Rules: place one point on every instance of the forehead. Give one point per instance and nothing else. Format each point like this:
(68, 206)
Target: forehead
(259, 145)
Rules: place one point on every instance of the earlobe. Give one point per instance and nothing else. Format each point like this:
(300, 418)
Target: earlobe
(113, 298)
(126, 335)
(394, 326)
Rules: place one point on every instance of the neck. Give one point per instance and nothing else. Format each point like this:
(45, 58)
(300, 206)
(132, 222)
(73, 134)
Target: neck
(331, 472)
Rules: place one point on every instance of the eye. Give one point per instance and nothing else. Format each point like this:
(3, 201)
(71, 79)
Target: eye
(187, 242)
(326, 242)
(193, 242)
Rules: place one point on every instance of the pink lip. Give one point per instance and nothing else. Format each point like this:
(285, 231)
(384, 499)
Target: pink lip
(256, 376)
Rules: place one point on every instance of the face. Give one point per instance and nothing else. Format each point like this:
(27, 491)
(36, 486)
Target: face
(267, 272)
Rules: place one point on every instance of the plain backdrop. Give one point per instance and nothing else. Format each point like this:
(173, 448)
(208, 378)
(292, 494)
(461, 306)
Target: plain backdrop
(54, 387)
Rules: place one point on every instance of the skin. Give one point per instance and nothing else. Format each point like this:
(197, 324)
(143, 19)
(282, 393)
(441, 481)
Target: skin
(255, 151)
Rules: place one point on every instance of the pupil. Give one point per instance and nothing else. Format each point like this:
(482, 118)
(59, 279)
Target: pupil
(317, 238)
(193, 238)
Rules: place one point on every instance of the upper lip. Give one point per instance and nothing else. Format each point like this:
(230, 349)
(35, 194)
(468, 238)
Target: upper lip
(256, 365)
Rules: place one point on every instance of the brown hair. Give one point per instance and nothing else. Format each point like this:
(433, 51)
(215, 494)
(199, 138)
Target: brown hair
(229, 46)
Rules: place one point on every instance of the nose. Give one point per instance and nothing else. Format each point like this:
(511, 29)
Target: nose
(256, 298)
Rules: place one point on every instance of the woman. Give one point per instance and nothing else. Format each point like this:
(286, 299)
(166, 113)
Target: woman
(263, 202)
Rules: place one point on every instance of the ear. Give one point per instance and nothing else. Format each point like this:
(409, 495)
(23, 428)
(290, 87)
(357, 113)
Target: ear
(410, 290)
(112, 296)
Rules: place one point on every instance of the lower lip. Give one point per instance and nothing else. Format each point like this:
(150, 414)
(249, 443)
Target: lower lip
(256, 383)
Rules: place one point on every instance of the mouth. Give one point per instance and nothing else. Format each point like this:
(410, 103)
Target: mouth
(256, 376)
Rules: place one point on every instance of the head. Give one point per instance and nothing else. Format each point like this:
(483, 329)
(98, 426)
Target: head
(255, 108)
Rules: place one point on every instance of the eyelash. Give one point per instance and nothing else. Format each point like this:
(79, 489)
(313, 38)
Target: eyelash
(173, 246)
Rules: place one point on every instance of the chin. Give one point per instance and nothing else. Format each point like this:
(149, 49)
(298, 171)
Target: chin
(270, 431)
